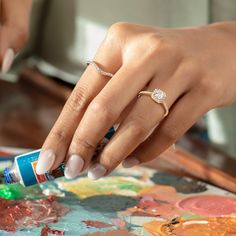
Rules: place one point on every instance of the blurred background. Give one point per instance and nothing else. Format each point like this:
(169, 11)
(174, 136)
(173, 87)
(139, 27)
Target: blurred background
(65, 34)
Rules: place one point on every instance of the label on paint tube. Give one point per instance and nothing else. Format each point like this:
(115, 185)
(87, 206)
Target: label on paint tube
(26, 165)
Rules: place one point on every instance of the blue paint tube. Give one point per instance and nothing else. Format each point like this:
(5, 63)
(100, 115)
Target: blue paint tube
(23, 170)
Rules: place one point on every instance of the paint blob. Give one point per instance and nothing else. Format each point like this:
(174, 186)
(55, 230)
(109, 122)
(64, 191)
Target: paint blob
(127, 203)
(20, 214)
(84, 187)
(118, 232)
(158, 200)
(108, 203)
(181, 184)
(46, 230)
(204, 227)
(208, 205)
(96, 224)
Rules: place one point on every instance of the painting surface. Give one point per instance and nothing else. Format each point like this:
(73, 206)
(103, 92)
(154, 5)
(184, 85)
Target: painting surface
(137, 201)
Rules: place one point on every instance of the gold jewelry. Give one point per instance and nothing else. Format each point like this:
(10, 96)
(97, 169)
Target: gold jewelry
(157, 96)
(98, 69)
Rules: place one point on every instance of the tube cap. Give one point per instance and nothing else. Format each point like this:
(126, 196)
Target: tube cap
(7, 175)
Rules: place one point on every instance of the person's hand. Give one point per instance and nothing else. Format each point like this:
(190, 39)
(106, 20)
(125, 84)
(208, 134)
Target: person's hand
(194, 66)
(14, 21)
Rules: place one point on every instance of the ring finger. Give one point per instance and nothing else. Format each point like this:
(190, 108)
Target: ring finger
(139, 124)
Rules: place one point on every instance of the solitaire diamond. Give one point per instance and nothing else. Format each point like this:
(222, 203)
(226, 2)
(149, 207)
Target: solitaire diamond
(158, 95)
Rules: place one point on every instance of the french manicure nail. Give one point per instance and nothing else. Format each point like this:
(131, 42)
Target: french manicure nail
(45, 161)
(96, 171)
(74, 166)
(130, 162)
(7, 60)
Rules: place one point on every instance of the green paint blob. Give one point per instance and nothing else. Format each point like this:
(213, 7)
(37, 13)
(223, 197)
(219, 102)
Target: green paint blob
(17, 191)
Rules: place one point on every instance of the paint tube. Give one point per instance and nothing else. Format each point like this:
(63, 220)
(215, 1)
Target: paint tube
(23, 170)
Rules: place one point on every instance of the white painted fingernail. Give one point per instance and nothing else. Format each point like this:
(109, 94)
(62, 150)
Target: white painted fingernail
(45, 161)
(96, 171)
(7, 60)
(74, 166)
(130, 162)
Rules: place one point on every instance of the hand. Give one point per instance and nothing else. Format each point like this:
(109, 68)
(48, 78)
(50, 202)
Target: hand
(194, 66)
(14, 20)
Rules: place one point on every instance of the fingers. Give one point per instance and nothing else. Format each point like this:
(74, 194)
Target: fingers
(182, 116)
(105, 109)
(56, 145)
(141, 121)
(13, 30)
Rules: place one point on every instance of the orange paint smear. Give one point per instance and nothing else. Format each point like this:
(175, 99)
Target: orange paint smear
(118, 232)
(205, 227)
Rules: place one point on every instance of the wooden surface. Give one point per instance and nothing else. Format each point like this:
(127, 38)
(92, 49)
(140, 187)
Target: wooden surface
(29, 108)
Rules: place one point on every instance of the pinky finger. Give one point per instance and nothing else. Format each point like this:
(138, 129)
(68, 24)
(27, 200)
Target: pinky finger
(181, 117)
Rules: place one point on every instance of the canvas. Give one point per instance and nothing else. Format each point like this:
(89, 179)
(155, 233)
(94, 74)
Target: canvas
(137, 201)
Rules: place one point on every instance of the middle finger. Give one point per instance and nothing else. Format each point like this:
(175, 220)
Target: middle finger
(104, 111)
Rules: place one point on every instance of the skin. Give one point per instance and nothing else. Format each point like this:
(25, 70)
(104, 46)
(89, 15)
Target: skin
(194, 66)
(14, 24)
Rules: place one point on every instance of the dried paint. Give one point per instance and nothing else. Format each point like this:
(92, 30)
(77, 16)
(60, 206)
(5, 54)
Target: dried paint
(20, 214)
(206, 227)
(46, 230)
(96, 224)
(118, 232)
(108, 203)
(181, 184)
(208, 205)
(158, 200)
(84, 187)
(118, 222)
(16, 191)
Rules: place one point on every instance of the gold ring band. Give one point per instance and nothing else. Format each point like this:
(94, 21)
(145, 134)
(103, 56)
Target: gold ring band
(98, 69)
(157, 96)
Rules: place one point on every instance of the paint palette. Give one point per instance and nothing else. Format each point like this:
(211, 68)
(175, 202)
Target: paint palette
(137, 201)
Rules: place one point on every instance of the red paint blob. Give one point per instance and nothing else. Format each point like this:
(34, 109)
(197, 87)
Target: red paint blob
(46, 230)
(208, 205)
(19, 214)
(96, 224)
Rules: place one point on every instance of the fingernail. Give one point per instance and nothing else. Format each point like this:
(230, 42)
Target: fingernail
(74, 166)
(8, 60)
(45, 161)
(130, 162)
(96, 171)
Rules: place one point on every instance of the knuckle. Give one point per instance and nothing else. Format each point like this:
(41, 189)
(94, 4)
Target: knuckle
(100, 108)
(210, 87)
(84, 143)
(108, 159)
(59, 135)
(160, 44)
(138, 130)
(77, 100)
(170, 132)
(118, 29)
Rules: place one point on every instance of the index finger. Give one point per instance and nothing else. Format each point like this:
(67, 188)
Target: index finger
(55, 147)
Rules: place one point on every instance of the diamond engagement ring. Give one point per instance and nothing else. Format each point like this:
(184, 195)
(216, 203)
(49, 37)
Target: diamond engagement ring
(98, 69)
(157, 96)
